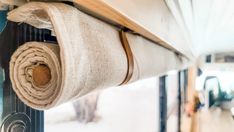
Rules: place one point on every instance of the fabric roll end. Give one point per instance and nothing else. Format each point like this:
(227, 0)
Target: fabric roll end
(36, 75)
(41, 75)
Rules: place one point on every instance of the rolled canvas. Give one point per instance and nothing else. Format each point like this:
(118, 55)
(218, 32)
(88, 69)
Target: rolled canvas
(89, 56)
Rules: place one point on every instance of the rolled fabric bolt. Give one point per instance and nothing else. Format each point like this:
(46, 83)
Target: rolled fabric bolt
(89, 56)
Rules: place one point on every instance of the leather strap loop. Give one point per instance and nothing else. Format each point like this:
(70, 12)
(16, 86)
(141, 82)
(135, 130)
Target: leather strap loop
(129, 54)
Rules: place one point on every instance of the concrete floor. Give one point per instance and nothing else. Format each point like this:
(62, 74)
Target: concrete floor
(128, 109)
(215, 120)
(132, 108)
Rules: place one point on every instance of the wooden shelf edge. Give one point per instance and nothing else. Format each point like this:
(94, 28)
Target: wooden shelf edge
(105, 11)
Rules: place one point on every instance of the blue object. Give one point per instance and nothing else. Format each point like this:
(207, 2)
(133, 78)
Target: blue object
(3, 20)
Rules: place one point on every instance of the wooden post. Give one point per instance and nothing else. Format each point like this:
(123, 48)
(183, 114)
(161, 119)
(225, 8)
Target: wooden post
(192, 74)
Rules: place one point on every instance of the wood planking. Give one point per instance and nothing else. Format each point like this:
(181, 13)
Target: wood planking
(105, 11)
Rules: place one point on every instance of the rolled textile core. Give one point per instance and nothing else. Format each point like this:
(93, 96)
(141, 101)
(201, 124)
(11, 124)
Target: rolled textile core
(89, 56)
(41, 75)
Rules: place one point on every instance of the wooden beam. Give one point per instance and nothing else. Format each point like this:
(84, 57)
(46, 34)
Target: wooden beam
(105, 11)
(192, 75)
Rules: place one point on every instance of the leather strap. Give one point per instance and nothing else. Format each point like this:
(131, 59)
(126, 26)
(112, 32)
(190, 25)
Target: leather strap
(130, 59)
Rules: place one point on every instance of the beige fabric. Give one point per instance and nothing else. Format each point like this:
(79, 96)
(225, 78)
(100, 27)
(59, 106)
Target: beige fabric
(3, 6)
(91, 56)
(13, 2)
(153, 15)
